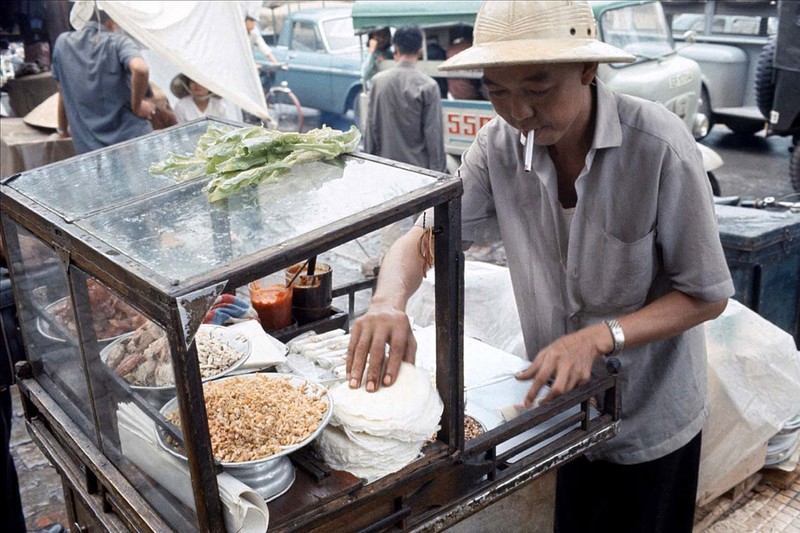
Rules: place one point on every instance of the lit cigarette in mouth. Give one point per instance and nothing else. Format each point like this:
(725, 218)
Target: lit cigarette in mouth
(529, 151)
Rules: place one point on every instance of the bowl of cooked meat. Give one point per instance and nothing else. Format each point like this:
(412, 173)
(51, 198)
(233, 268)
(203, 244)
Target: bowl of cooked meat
(143, 358)
(112, 317)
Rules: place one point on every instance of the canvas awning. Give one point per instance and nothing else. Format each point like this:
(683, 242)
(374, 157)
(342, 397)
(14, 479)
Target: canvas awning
(207, 41)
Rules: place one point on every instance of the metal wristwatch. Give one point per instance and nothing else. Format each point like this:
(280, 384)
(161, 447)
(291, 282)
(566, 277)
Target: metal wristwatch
(617, 334)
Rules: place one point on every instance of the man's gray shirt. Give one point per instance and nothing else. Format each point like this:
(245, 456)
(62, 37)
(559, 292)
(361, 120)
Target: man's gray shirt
(92, 67)
(644, 225)
(405, 118)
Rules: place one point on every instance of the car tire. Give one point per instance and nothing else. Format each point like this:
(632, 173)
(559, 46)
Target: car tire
(714, 184)
(794, 166)
(764, 82)
(745, 128)
(705, 107)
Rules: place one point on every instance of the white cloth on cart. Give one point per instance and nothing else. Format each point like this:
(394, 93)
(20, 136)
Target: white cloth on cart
(243, 509)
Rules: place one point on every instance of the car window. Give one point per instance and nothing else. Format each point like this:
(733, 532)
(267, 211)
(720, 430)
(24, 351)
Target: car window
(725, 24)
(304, 38)
(340, 34)
(640, 30)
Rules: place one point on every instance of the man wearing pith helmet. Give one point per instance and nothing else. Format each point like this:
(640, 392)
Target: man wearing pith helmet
(613, 249)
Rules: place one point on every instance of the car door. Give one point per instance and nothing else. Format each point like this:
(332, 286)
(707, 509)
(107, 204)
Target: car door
(309, 65)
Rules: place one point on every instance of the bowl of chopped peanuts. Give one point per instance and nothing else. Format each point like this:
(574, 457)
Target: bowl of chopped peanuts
(255, 421)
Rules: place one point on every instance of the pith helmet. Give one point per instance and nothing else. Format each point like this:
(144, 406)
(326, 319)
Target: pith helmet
(547, 31)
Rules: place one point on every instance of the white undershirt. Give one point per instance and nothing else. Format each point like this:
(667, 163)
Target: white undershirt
(564, 221)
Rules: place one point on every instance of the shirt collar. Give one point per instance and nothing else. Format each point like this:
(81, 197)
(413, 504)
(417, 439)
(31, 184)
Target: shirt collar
(607, 131)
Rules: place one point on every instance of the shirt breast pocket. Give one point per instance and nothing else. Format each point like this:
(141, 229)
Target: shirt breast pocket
(614, 274)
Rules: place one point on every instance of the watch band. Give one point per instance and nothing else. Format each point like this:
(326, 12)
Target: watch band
(617, 334)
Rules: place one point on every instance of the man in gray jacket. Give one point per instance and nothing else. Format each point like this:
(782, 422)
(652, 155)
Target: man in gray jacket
(405, 109)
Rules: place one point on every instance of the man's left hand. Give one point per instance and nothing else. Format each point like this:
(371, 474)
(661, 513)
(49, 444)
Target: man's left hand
(569, 360)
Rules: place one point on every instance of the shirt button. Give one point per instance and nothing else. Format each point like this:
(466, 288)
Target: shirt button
(575, 318)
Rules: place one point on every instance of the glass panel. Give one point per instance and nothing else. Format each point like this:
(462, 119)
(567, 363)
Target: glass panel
(126, 413)
(44, 310)
(181, 234)
(95, 181)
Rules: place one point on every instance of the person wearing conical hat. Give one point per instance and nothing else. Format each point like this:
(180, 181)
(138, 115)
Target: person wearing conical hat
(608, 224)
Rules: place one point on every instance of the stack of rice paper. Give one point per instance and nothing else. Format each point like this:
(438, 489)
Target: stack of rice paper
(372, 434)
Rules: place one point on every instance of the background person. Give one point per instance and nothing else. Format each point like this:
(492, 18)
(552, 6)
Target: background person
(257, 40)
(102, 79)
(379, 44)
(462, 88)
(435, 52)
(196, 101)
(404, 122)
(613, 248)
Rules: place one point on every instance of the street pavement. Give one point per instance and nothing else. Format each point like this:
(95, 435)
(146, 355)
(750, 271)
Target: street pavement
(39, 483)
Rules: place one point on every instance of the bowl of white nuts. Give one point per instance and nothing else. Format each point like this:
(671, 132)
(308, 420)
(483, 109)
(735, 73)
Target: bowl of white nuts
(143, 358)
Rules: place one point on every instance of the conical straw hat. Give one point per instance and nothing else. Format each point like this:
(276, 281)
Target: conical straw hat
(44, 115)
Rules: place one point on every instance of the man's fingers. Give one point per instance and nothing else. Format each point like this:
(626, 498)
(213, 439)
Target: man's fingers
(558, 388)
(377, 350)
(411, 350)
(355, 334)
(397, 352)
(360, 356)
(529, 372)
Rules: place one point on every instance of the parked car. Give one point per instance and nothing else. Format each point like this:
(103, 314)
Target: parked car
(778, 80)
(324, 58)
(725, 39)
(640, 28)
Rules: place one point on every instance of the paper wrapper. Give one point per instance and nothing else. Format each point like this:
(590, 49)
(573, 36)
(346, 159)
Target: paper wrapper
(244, 510)
(266, 350)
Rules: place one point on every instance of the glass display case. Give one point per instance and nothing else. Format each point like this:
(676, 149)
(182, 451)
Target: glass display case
(97, 247)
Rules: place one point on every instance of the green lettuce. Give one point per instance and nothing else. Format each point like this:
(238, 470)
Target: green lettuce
(234, 158)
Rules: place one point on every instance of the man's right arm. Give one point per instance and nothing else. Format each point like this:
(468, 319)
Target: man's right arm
(140, 76)
(259, 42)
(386, 322)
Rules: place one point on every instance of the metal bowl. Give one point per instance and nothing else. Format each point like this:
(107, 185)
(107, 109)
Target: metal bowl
(158, 396)
(46, 331)
(273, 475)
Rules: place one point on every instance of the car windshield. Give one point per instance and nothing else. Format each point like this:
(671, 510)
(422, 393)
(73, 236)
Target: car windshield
(640, 30)
(340, 34)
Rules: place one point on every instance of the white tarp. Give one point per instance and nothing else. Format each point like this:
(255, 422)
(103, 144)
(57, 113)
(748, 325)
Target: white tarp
(490, 310)
(207, 41)
(753, 389)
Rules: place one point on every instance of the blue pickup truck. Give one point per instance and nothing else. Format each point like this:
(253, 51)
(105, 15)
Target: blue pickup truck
(324, 58)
